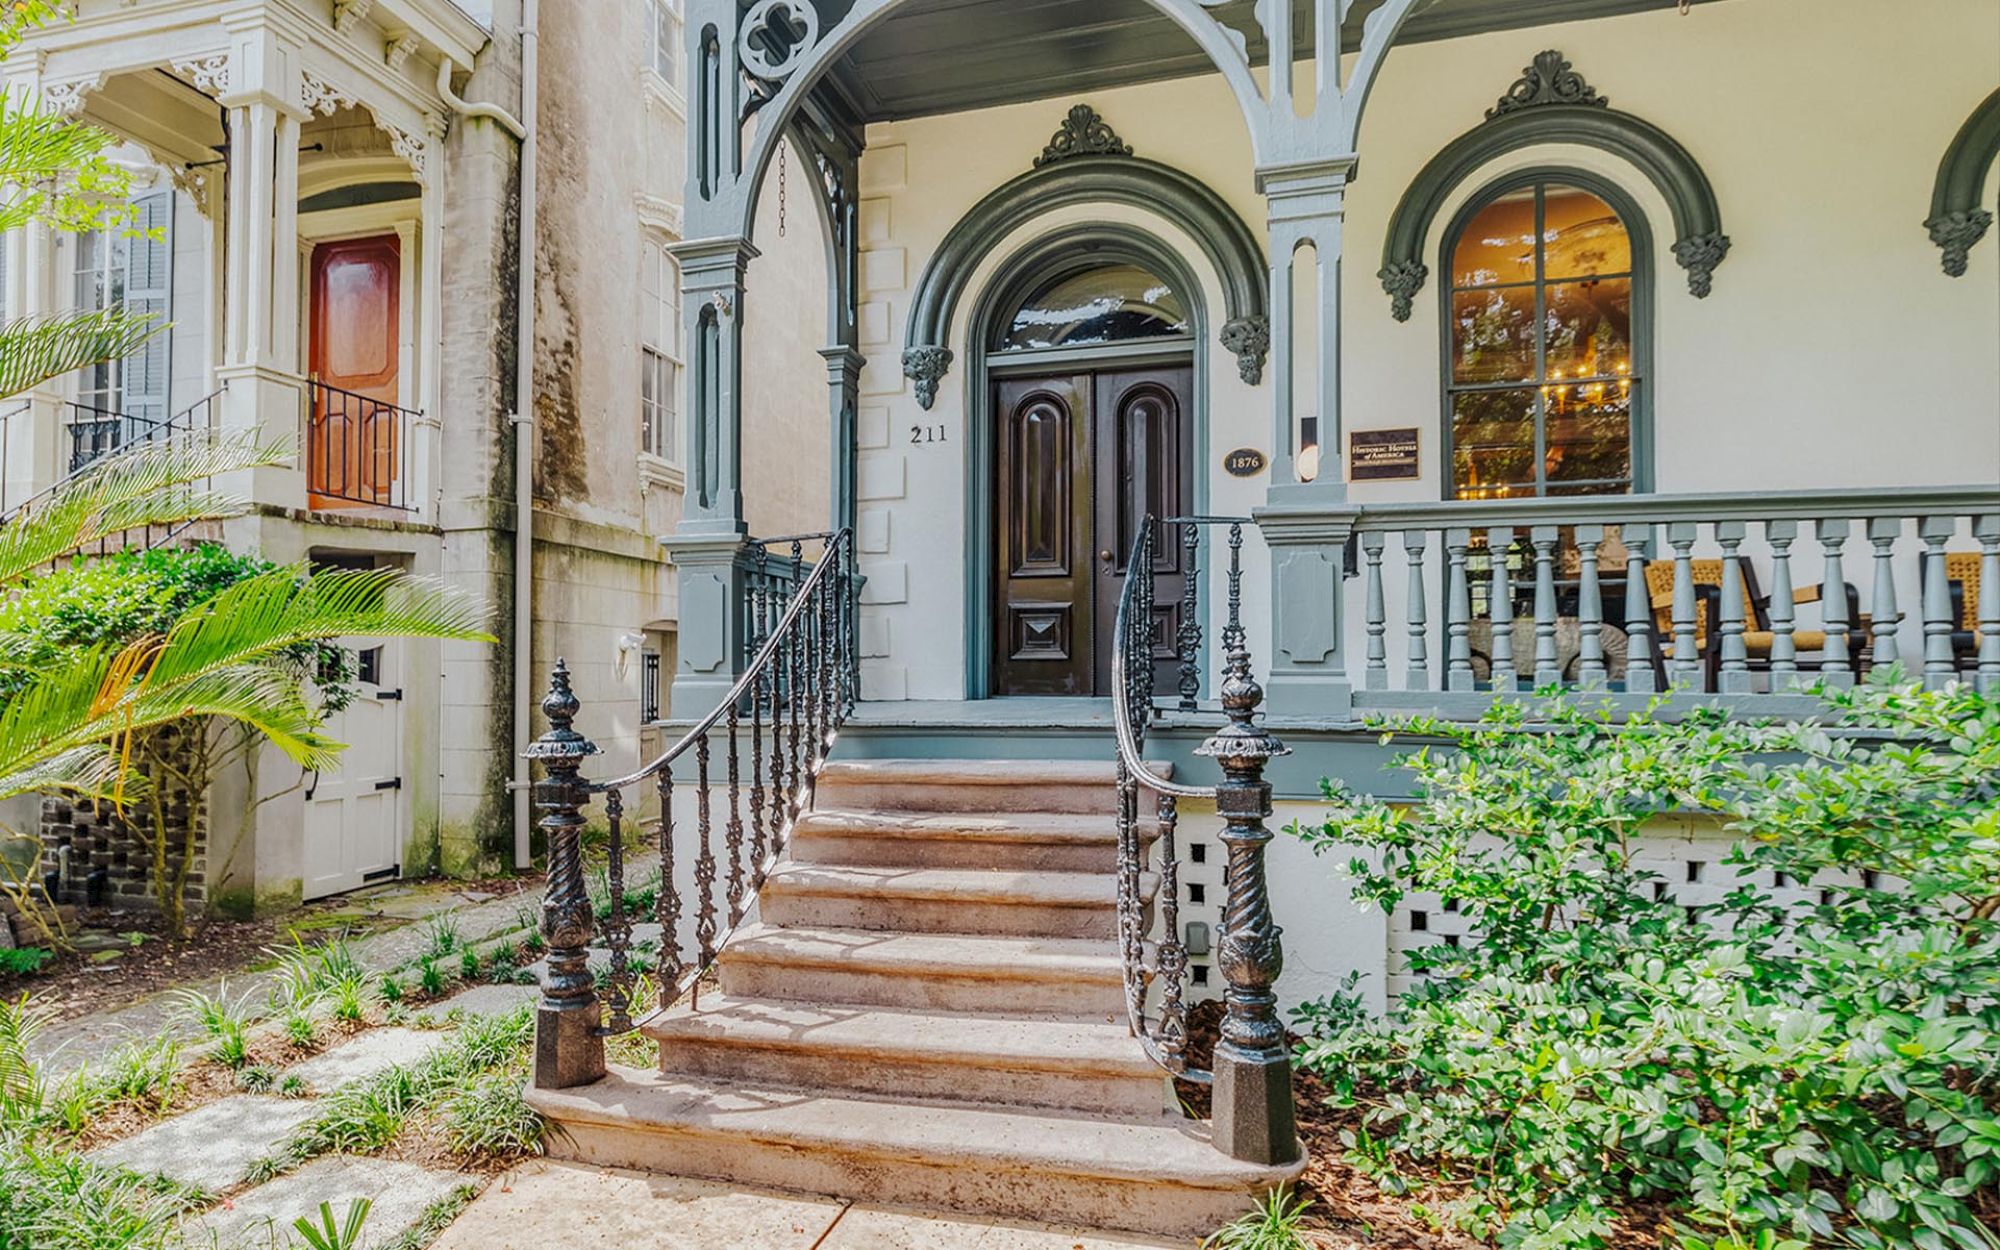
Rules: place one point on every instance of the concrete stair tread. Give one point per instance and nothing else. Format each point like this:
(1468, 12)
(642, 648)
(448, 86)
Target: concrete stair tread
(1046, 827)
(972, 772)
(938, 954)
(969, 885)
(865, 1033)
(1162, 1151)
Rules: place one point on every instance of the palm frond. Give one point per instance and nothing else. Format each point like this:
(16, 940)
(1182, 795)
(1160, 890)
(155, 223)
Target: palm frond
(262, 615)
(93, 771)
(258, 696)
(156, 483)
(35, 349)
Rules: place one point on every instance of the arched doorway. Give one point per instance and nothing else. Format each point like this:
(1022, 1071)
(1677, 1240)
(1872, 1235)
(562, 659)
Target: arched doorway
(1086, 402)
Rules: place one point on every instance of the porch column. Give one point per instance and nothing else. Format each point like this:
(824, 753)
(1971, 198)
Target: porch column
(36, 447)
(1306, 525)
(843, 382)
(261, 284)
(704, 546)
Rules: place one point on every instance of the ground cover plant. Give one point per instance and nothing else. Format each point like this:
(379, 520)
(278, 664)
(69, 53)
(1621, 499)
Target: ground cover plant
(1814, 1060)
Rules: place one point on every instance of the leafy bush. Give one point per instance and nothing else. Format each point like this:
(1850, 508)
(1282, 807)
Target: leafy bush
(24, 960)
(1815, 1058)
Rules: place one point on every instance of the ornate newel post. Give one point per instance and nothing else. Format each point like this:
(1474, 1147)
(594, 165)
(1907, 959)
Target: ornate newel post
(1253, 1071)
(569, 1050)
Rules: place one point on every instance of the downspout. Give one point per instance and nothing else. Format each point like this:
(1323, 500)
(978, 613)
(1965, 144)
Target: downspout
(523, 418)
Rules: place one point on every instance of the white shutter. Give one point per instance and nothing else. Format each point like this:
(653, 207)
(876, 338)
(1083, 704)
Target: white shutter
(149, 290)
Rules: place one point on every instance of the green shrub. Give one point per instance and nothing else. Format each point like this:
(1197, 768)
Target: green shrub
(491, 1119)
(1769, 1068)
(24, 960)
(52, 1200)
(1272, 1224)
(431, 978)
(225, 1024)
(468, 964)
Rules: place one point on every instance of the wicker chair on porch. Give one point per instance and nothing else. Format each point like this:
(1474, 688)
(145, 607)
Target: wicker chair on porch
(1758, 635)
(1961, 573)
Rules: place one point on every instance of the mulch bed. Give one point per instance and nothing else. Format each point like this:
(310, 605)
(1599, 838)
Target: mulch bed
(79, 983)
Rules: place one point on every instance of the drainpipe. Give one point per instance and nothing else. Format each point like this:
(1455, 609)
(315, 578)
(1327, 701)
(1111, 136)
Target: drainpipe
(522, 419)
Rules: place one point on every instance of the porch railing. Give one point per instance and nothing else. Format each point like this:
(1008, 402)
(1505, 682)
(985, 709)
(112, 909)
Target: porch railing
(774, 728)
(1251, 1075)
(357, 449)
(1729, 594)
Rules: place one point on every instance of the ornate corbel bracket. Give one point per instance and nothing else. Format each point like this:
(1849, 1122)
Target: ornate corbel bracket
(399, 49)
(1250, 339)
(209, 74)
(316, 95)
(926, 366)
(1956, 233)
(1402, 279)
(1548, 79)
(348, 14)
(1699, 255)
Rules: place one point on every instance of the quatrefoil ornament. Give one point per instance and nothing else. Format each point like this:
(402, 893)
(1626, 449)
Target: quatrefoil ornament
(776, 36)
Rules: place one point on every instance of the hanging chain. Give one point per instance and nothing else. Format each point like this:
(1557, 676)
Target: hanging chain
(1685, 6)
(784, 163)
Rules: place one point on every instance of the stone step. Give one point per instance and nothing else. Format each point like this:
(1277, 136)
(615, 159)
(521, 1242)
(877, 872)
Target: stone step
(1015, 841)
(945, 900)
(943, 972)
(1161, 1176)
(982, 786)
(1018, 1061)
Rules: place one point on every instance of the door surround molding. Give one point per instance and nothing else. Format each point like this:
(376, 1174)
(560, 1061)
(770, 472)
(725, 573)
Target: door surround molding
(1059, 253)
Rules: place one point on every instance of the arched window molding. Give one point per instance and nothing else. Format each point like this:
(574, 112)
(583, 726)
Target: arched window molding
(1097, 174)
(1639, 236)
(1551, 103)
(1957, 221)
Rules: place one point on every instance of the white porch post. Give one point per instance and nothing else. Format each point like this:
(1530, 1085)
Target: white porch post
(36, 449)
(1306, 524)
(261, 286)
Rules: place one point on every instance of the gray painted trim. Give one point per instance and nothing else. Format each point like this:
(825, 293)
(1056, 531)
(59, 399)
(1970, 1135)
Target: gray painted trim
(1075, 246)
(1699, 243)
(1640, 233)
(1224, 237)
(1957, 220)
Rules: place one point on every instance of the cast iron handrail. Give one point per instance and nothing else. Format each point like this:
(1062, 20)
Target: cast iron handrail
(357, 447)
(796, 691)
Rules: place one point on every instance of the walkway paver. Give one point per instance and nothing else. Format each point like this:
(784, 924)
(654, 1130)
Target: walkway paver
(548, 1205)
(212, 1146)
(377, 1050)
(398, 1192)
(482, 1000)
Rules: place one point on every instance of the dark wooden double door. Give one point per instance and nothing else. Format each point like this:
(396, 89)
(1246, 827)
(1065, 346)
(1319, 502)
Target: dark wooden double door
(1081, 459)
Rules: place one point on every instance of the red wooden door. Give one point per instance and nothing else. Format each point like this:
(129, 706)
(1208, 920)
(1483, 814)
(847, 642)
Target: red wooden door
(354, 435)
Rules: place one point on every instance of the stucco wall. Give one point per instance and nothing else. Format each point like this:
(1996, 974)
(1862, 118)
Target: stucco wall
(1832, 352)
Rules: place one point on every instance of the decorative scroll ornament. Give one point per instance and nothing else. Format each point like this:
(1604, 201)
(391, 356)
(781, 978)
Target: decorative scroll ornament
(776, 37)
(926, 366)
(1250, 339)
(209, 74)
(1956, 232)
(411, 147)
(347, 14)
(318, 95)
(1549, 80)
(65, 98)
(1402, 280)
(1699, 254)
(1084, 133)
(195, 184)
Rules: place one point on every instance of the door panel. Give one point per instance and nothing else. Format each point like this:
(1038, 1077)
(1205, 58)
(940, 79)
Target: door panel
(1042, 642)
(1079, 461)
(352, 452)
(354, 822)
(1145, 436)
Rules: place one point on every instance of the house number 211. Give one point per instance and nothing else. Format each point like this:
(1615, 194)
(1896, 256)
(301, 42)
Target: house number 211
(926, 434)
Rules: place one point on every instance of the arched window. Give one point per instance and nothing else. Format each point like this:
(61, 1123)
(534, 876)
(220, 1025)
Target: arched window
(1107, 304)
(1545, 342)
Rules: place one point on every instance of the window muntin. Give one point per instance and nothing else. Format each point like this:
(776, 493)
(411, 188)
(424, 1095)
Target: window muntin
(103, 258)
(663, 44)
(1541, 376)
(1108, 304)
(659, 352)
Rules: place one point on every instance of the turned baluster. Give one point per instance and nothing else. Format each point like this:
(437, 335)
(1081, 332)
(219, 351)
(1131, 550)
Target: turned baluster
(1548, 669)
(1883, 651)
(1589, 608)
(1376, 676)
(1735, 675)
(1687, 645)
(704, 861)
(569, 1046)
(1837, 668)
(1639, 675)
(1188, 639)
(1784, 615)
(1499, 550)
(1418, 674)
(1458, 612)
(1986, 529)
(1172, 950)
(1940, 664)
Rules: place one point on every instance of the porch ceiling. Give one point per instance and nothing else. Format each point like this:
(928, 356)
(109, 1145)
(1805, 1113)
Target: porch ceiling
(941, 56)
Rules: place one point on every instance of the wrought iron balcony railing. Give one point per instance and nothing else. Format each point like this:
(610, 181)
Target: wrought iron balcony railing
(357, 450)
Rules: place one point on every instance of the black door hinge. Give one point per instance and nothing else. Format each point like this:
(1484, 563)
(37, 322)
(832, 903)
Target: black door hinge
(382, 874)
(394, 783)
(389, 696)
